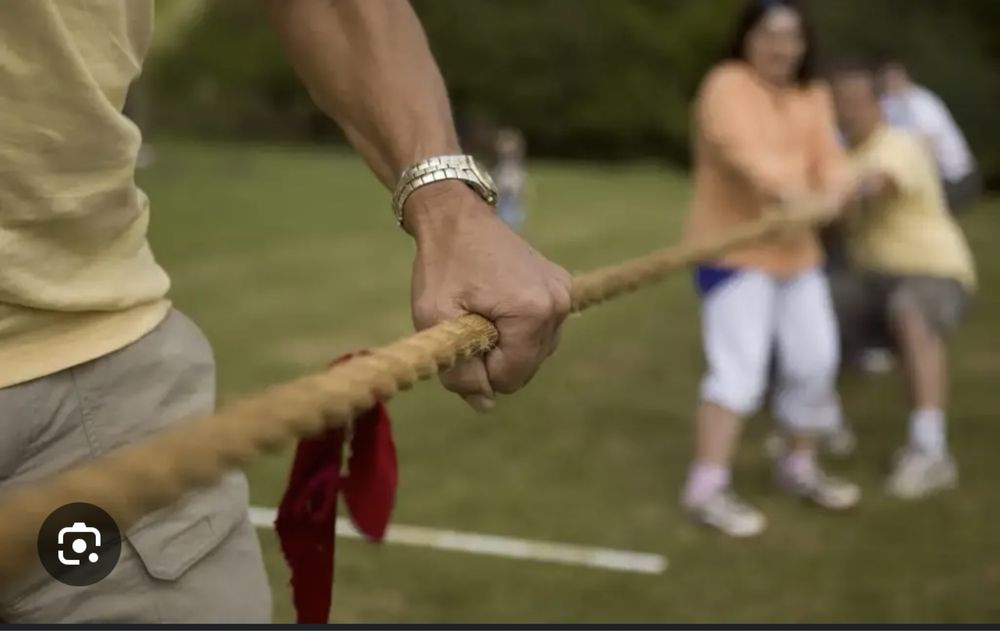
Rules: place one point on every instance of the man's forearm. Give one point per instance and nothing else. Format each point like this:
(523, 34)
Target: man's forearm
(367, 64)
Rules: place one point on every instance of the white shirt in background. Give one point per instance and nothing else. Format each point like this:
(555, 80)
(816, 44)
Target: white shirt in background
(921, 111)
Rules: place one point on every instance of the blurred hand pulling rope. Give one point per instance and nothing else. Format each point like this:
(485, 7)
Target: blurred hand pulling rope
(142, 477)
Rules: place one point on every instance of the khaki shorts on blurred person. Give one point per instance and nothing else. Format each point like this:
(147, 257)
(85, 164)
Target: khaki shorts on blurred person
(865, 301)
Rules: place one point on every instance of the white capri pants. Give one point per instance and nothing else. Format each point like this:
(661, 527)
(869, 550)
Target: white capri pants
(750, 315)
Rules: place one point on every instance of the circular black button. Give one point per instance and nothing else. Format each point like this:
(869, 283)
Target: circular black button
(79, 544)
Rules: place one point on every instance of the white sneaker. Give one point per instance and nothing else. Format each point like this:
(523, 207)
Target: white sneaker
(823, 490)
(918, 474)
(729, 514)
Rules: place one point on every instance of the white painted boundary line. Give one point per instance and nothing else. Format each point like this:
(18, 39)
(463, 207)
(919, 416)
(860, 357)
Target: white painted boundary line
(491, 545)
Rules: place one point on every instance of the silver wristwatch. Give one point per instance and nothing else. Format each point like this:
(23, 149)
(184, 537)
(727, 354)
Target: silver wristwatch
(460, 167)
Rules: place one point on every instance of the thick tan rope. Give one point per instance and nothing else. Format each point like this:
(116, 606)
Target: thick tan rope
(139, 478)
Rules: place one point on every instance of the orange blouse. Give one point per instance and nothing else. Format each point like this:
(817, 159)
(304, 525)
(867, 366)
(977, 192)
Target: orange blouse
(752, 143)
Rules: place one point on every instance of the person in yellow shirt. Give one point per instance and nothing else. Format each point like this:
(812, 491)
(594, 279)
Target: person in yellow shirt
(911, 272)
(93, 356)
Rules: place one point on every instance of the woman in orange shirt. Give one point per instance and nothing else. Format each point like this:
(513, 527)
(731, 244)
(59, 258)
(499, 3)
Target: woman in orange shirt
(765, 138)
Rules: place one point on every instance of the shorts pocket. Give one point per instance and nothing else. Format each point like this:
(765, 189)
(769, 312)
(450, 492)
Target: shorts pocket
(172, 540)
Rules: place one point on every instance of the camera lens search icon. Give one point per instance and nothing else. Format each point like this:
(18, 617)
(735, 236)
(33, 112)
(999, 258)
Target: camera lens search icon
(79, 544)
(79, 533)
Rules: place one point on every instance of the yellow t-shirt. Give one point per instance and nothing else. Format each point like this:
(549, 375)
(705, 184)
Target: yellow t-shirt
(77, 278)
(912, 232)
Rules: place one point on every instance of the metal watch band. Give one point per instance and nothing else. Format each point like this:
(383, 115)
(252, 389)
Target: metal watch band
(463, 168)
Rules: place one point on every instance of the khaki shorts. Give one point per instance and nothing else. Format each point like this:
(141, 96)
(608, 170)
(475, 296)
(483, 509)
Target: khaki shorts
(196, 561)
(865, 302)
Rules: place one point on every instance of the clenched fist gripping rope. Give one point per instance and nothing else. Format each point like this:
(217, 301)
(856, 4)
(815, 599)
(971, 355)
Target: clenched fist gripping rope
(142, 477)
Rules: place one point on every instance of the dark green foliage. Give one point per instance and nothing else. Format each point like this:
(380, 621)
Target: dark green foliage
(952, 47)
(582, 78)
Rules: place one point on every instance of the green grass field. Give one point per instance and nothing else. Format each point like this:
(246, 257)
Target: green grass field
(288, 258)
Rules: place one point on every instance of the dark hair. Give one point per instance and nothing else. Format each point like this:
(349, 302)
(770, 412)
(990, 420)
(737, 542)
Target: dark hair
(753, 12)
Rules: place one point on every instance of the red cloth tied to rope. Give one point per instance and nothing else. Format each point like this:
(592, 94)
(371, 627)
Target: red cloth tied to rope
(307, 515)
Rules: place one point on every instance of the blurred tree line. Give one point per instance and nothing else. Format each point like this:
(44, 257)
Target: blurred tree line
(604, 79)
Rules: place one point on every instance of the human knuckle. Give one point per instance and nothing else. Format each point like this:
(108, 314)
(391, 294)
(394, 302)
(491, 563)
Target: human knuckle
(537, 304)
(562, 302)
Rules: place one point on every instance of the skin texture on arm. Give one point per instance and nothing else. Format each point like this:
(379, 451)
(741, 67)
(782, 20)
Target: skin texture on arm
(367, 65)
